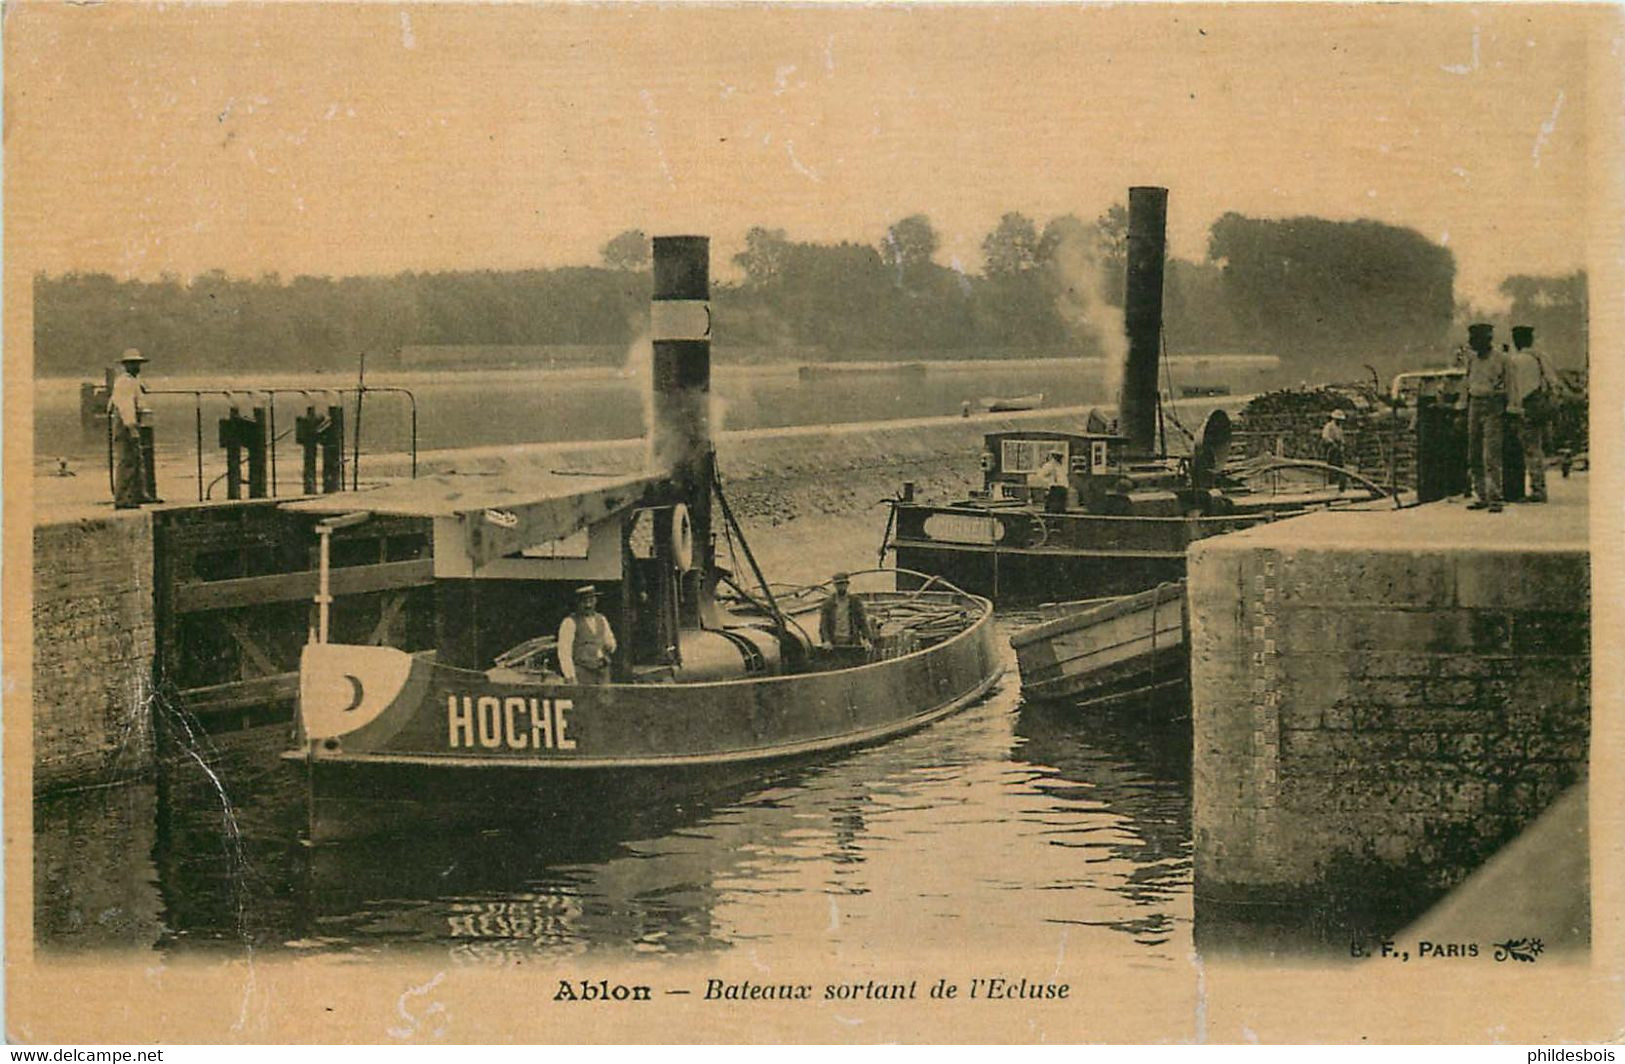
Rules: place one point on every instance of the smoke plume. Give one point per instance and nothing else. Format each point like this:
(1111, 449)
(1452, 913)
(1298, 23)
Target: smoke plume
(638, 367)
(1081, 271)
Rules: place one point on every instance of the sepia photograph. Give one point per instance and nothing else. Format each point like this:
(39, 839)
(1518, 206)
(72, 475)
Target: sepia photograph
(820, 523)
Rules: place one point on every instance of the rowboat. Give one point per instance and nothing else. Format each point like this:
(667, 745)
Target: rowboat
(835, 371)
(1106, 650)
(1001, 404)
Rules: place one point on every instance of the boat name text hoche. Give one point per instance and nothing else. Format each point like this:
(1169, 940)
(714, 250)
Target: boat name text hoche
(515, 723)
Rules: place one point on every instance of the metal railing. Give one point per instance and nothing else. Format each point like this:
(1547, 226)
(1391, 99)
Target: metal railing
(231, 396)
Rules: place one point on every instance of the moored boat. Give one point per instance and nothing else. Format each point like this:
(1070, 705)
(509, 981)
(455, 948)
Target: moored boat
(1107, 510)
(994, 404)
(694, 691)
(1106, 650)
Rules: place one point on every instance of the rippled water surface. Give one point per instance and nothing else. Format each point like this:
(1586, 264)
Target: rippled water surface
(1008, 825)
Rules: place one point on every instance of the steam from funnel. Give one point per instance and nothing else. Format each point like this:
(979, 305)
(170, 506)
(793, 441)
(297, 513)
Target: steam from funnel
(638, 367)
(1079, 262)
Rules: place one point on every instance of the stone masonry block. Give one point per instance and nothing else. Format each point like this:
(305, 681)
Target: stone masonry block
(1340, 579)
(1552, 632)
(1522, 580)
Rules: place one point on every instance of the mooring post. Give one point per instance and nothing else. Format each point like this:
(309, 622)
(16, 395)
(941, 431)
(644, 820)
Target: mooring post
(333, 450)
(256, 445)
(307, 432)
(231, 439)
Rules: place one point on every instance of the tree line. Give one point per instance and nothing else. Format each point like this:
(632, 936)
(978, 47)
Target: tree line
(1318, 293)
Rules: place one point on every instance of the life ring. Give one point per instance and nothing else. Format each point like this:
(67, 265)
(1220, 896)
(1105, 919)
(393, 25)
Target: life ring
(987, 461)
(682, 538)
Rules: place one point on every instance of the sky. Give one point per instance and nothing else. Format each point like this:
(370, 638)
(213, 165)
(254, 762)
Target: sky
(341, 139)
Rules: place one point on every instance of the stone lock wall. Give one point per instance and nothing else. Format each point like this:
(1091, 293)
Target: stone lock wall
(1371, 715)
(93, 649)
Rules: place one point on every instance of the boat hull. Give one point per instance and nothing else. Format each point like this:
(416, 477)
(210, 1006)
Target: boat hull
(1109, 651)
(421, 734)
(1016, 555)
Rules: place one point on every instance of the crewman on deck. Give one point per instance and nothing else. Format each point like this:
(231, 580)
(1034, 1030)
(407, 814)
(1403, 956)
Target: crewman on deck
(842, 621)
(1050, 479)
(586, 641)
(127, 409)
(1532, 388)
(1486, 401)
(1332, 444)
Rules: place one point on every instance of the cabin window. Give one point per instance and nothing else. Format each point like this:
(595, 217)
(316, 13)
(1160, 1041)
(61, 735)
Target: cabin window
(572, 546)
(1097, 456)
(1025, 456)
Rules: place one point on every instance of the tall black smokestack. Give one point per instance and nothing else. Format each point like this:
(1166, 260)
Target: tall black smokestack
(1142, 317)
(680, 429)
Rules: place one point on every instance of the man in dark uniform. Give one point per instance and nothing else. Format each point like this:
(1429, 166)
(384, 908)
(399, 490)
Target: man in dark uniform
(842, 622)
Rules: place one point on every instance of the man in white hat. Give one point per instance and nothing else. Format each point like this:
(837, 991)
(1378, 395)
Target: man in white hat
(586, 641)
(127, 408)
(1332, 443)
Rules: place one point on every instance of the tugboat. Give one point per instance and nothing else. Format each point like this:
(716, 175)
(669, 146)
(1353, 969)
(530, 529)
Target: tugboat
(1107, 511)
(699, 692)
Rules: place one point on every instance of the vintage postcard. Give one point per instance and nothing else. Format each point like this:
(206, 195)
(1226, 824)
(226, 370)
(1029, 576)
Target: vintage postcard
(984, 522)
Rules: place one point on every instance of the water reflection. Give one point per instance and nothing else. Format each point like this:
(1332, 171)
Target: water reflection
(1004, 826)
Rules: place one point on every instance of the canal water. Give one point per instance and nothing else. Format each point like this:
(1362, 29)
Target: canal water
(1005, 826)
(491, 407)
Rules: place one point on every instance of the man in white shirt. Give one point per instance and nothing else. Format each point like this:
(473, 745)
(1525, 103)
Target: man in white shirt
(127, 408)
(1332, 444)
(1531, 382)
(1487, 400)
(1050, 479)
(586, 641)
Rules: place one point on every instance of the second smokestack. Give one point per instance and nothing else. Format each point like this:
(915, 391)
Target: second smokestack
(1142, 317)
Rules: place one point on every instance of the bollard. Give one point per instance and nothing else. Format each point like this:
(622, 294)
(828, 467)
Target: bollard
(307, 432)
(149, 463)
(231, 440)
(333, 450)
(254, 442)
(244, 437)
